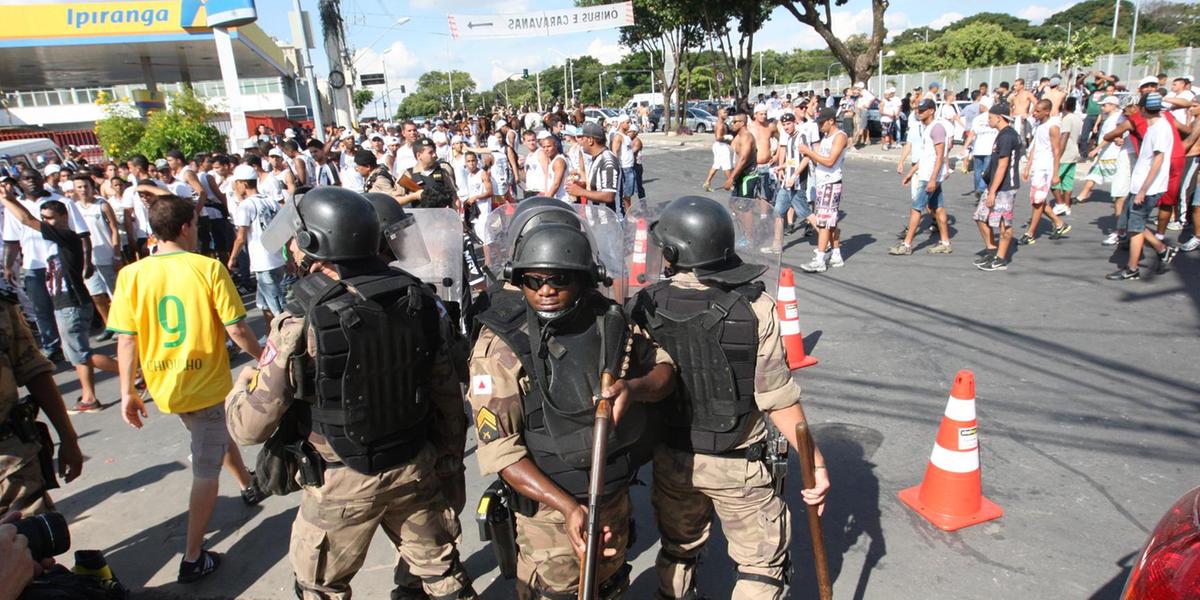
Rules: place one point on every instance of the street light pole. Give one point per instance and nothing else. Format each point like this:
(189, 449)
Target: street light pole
(314, 95)
(602, 88)
(383, 60)
(1116, 15)
(1137, 8)
(538, 77)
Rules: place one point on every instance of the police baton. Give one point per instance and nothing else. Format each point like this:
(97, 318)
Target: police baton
(587, 569)
(808, 476)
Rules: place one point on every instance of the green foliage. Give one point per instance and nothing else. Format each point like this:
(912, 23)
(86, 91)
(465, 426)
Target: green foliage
(433, 93)
(982, 44)
(121, 129)
(1081, 51)
(918, 56)
(362, 97)
(183, 126)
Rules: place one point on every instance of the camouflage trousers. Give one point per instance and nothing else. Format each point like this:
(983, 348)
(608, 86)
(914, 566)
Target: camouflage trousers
(452, 480)
(547, 566)
(688, 490)
(336, 522)
(25, 490)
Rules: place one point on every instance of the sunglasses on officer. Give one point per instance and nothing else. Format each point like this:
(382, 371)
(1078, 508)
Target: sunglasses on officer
(556, 281)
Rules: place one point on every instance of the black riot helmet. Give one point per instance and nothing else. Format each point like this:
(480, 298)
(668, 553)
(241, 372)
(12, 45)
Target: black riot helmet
(555, 246)
(329, 223)
(536, 211)
(398, 234)
(389, 211)
(694, 231)
(697, 234)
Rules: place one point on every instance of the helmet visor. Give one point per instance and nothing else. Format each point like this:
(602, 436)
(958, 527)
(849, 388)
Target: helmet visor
(282, 228)
(407, 244)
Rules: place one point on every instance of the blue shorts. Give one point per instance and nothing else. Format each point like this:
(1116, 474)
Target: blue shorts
(923, 198)
(628, 182)
(74, 327)
(271, 294)
(794, 198)
(1139, 216)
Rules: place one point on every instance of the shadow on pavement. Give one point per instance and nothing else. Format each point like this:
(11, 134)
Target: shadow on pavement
(851, 513)
(857, 242)
(1111, 590)
(80, 501)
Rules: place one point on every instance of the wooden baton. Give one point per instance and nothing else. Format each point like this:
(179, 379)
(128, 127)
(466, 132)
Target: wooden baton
(808, 476)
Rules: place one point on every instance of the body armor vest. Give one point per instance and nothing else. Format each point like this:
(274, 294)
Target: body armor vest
(712, 335)
(368, 388)
(375, 175)
(563, 362)
(436, 187)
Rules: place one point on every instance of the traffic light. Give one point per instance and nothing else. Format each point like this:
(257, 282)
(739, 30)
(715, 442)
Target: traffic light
(525, 73)
(402, 90)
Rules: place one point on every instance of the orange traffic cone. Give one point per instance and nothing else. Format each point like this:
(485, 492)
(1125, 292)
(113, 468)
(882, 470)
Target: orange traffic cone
(789, 322)
(951, 495)
(637, 267)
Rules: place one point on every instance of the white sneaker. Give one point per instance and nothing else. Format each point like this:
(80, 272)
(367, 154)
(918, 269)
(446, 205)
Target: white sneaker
(1174, 226)
(1190, 245)
(1061, 209)
(835, 259)
(816, 265)
(1160, 237)
(1111, 240)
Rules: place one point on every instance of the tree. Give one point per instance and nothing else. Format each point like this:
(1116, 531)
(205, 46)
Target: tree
(183, 126)
(918, 56)
(745, 17)
(121, 129)
(433, 93)
(983, 44)
(1014, 25)
(362, 98)
(818, 14)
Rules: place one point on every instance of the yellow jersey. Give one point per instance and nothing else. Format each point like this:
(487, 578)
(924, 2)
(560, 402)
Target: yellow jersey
(178, 304)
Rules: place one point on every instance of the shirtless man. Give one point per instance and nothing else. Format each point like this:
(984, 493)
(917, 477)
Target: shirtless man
(1055, 95)
(740, 180)
(1021, 101)
(1191, 183)
(762, 131)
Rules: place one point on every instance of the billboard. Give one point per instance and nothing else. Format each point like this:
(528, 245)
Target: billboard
(31, 20)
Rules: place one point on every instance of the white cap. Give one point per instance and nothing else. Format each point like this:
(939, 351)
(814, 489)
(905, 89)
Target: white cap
(51, 169)
(543, 134)
(244, 173)
(1147, 80)
(1111, 100)
(633, 128)
(276, 152)
(1185, 77)
(986, 102)
(860, 85)
(623, 118)
(760, 108)
(289, 133)
(391, 140)
(500, 123)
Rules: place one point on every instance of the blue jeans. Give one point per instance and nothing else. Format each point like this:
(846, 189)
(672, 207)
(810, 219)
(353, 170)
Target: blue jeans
(980, 164)
(271, 294)
(924, 198)
(794, 198)
(628, 182)
(43, 309)
(74, 325)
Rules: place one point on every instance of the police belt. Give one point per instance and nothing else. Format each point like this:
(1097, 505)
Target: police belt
(756, 452)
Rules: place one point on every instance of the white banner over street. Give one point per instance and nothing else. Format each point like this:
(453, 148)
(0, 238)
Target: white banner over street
(542, 22)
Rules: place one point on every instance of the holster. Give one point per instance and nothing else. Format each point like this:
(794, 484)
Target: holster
(775, 456)
(22, 422)
(498, 525)
(309, 462)
(46, 456)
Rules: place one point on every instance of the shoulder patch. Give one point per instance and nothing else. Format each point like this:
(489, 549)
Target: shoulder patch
(481, 385)
(487, 426)
(268, 355)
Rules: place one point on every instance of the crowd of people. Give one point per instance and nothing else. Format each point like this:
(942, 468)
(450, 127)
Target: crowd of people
(1143, 143)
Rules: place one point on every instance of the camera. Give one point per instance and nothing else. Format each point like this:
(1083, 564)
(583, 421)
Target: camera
(47, 534)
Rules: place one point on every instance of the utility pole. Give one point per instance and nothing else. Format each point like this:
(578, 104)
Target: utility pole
(1116, 15)
(314, 95)
(538, 78)
(1137, 8)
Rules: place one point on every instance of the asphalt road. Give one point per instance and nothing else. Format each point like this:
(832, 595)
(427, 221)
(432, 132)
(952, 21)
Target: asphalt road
(1087, 401)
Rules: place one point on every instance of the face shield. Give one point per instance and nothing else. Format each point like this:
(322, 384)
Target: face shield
(407, 244)
(282, 228)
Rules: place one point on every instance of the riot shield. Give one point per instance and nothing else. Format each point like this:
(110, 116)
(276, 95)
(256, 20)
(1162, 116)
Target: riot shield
(754, 225)
(608, 239)
(442, 232)
(643, 258)
(496, 245)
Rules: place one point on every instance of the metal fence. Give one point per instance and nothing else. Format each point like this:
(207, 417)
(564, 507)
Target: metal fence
(1173, 63)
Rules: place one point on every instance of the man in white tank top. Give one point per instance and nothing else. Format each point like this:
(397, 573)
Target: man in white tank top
(622, 147)
(556, 167)
(479, 193)
(930, 169)
(827, 161)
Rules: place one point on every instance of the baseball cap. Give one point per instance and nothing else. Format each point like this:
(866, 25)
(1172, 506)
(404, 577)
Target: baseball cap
(760, 107)
(375, 136)
(570, 131)
(543, 134)
(622, 119)
(1054, 81)
(592, 130)
(364, 158)
(423, 143)
(391, 140)
(51, 169)
(934, 84)
(161, 164)
(1001, 109)
(927, 104)
(1185, 77)
(1111, 100)
(1148, 80)
(289, 133)
(826, 114)
(276, 152)
(244, 173)
(787, 117)
(500, 123)
(633, 128)
(1152, 101)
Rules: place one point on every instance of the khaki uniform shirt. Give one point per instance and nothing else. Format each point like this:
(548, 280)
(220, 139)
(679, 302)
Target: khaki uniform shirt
(774, 388)
(498, 384)
(20, 363)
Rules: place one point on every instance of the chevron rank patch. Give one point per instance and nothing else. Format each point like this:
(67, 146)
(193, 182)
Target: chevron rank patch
(487, 427)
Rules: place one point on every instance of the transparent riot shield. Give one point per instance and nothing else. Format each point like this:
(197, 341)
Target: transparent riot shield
(643, 258)
(754, 224)
(441, 230)
(496, 245)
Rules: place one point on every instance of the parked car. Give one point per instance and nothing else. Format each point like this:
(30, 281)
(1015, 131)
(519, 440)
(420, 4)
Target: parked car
(700, 120)
(1168, 568)
(599, 115)
(33, 152)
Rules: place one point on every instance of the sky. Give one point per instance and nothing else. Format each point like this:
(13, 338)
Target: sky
(423, 43)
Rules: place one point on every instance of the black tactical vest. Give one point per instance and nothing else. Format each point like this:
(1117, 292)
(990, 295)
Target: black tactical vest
(712, 335)
(369, 385)
(563, 364)
(437, 190)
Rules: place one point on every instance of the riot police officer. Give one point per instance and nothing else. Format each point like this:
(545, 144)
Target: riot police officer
(356, 365)
(721, 329)
(535, 374)
(435, 177)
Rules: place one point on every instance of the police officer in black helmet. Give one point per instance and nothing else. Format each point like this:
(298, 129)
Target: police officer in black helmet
(435, 177)
(721, 329)
(535, 374)
(356, 365)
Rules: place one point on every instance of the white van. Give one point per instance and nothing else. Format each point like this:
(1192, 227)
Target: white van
(640, 100)
(34, 152)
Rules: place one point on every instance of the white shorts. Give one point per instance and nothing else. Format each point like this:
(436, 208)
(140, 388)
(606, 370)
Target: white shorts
(1120, 181)
(1039, 186)
(722, 156)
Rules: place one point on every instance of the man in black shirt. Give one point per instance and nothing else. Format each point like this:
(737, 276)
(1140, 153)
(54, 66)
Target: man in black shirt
(73, 307)
(995, 210)
(603, 173)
